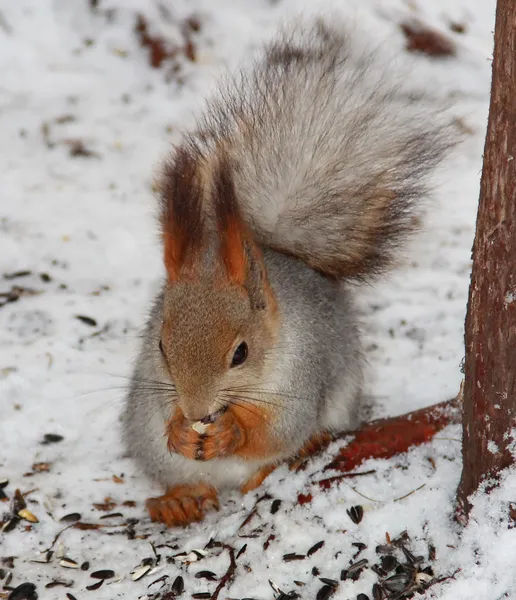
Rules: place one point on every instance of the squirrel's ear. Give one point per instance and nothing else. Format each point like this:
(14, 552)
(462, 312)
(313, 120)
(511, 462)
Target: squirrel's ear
(240, 255)
(181, 214)
(234, 237)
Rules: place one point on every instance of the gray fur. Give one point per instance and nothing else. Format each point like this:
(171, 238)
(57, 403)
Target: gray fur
(318, 361)
(328, 159)
(331, 151)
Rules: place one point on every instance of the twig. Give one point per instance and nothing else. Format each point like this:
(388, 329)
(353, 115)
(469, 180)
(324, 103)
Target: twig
(229, 575)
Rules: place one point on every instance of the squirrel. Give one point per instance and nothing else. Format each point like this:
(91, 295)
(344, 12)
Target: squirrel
(301, 178)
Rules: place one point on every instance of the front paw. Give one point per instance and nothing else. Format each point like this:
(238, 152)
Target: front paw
(216, 440)
(183, 504)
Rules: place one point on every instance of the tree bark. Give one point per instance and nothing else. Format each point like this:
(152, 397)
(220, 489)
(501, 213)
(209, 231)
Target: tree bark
(490, 336)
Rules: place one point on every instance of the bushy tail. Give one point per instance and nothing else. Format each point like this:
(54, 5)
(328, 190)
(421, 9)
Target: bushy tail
(330, 155)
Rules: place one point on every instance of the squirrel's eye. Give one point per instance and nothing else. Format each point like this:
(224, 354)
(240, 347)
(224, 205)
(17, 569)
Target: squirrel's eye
(161, 348)
(240, 355)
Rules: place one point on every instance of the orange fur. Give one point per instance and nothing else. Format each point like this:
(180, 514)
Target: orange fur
(183, 504)
(257, 479)
(240, 431)
(312, 446)
(232, 249)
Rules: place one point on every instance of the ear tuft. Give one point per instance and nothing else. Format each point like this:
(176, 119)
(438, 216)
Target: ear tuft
(234, 237)
(181, 213)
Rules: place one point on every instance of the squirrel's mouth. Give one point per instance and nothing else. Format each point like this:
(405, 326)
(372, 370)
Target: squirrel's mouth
(213, 417)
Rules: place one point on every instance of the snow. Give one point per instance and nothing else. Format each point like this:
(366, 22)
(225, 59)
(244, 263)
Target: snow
(72, 72)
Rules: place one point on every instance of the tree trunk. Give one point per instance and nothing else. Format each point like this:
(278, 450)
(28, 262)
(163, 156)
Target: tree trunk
(490, 366)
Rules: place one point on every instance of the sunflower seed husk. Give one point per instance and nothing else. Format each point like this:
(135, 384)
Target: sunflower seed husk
(360, 564)
(25, 514)
(389, 563)
(44, 559)
(140, 572)
(18, 502)
(59, 582)
(9, 525)
(68, 563)
(397, 583)
(356, 513)
(201, 595)
(241, 551)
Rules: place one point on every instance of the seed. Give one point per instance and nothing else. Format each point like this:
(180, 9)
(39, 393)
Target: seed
(355, 513)
(383, 549)
(3, 483)
(389, 563)
(325, 592)
(315, 572)
(331, 582)
(68, 563)
(85, 566)
(51, 438)
(397, 583)
(275, 587)
(25, 591)
(241, 551)
(112, 515)
(55, 582)
(432, 552)
(86, 320)
(70, 518)
(200, 427)
(103, 574)
(299, 583)
(293, 556)
(209, 575)
(275, 506)
(362, 597)
(95, 586)
(377, 592)
(315, 548)
(200, 595)
(70, 596)
(178, 587)
(25, 513)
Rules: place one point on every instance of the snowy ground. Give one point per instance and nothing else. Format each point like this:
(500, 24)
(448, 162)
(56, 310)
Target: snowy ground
(84, 119)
